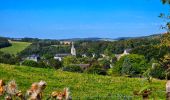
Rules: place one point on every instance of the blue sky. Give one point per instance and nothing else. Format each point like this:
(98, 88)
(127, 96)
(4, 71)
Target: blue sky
(57, 19)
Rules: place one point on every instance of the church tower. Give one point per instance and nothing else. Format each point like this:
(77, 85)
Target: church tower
(73, 50)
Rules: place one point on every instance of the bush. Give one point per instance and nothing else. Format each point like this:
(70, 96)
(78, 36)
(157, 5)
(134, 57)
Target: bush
(158, 72)
(56, 64)
(72, 68)
(7, 58)
(96, 69)
(30, 63)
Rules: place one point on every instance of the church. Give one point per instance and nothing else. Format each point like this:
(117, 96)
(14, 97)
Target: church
(60, 56)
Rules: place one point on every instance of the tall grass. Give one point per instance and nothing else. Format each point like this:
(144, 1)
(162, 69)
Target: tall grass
(82, 86)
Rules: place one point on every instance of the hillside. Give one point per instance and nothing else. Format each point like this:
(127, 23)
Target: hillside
(16, 47)
(82, 86)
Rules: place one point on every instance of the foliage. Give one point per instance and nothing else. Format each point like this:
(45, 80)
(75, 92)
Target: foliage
(96, 68)
(132, 65)
(69, 60)
(166, 1)
(4, 42)
(151, 52)
(44, 48)
(56, 64)
(158, 72)
(30, 63)
(116, 47)
(7, 58)
(72, 68)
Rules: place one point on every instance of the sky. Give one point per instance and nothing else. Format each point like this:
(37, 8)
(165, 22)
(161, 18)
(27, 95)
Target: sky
(61, 19)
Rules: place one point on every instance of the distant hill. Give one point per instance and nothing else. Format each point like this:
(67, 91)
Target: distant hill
(88, 39)
(149, 37)
(28, 39)
(82, 86)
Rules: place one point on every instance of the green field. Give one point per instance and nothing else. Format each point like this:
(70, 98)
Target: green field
(16, 47)
(82, 86)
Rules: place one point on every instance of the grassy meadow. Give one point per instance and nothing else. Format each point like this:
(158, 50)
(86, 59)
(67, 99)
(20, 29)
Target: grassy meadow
(82, 86)
(15, 48)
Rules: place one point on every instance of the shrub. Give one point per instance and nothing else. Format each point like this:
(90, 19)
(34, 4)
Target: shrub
(72, 68)
(96, 69)
(7, 58)
(158, 72)
(56, 64)
(30, 63)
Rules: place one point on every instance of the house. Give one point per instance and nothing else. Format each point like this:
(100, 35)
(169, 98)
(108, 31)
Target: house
(61, 55)
(84, 55)
(33, 57)
(65, 42)
(126, 52)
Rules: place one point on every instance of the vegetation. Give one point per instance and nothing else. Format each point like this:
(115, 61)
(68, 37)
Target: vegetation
(4, 42)
(132, 65)
(16, 47)
(82, 86)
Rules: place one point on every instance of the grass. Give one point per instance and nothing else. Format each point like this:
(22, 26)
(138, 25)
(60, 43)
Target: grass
(82, 86)
(16, 47)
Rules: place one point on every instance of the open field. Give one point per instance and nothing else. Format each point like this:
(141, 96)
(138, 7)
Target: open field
(16, 47)
(82, 86)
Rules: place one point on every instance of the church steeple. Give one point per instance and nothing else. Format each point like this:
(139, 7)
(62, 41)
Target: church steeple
(73, 50)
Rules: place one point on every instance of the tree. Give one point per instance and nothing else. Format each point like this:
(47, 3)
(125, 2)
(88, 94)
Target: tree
(96, 68)
(69, 60)
(133, 65)
(56, 64)
(166, 1)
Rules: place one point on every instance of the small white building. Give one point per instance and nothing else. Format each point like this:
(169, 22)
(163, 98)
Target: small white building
(33, 57)
(61, 56)
(126, 52)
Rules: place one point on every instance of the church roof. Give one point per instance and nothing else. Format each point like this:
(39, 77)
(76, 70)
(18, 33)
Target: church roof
(62, 54)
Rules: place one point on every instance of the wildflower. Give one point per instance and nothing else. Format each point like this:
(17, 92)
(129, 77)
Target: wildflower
(20, 95)
(61, 95)
(42, 85)
(35, 92)
(2, 87)
(8, 98)
(11, 88)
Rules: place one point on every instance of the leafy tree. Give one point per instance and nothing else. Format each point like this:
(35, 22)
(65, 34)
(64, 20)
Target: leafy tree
(69, 60)
(56, 64)
(132, 65)
(4, 42)
(158, 72)
(96, 68)
(7, 58)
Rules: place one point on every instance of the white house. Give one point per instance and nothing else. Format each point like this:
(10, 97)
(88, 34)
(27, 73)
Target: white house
(33, 57)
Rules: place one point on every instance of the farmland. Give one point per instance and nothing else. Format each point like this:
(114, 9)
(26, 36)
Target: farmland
(16, 47)
(82, 86)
